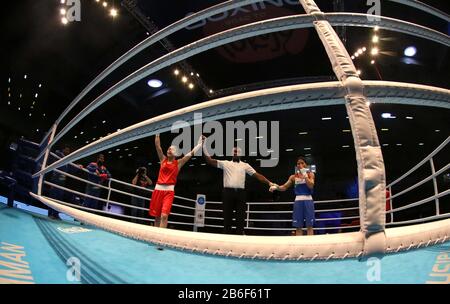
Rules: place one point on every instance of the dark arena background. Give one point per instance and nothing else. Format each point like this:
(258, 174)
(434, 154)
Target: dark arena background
(360, 92)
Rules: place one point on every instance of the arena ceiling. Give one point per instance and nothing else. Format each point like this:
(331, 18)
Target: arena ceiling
(46, 64)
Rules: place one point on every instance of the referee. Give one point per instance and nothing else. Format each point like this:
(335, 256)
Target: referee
(233, 197)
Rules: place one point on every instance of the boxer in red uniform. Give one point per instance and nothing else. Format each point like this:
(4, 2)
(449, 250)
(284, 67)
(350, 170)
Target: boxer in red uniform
(163, 195)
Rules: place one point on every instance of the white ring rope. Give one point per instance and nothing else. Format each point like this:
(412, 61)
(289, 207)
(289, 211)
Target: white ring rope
(326, 247)
(210, 210)
(315, 202)
(421, 220)
(93, 197)
(90, 173)
(282, 98)
(213, 218)
(421, 163)
(243, 32)
(441, 171)
(131, 185)
(425, 8)
(99, 211)
(191, 19)
(287, 212)
(421, 202)
(290, 220)
(176, 205)
(173, 213)
(321, 246)
(81, 179)
(120, 182)
(154, 38)
(437, 217)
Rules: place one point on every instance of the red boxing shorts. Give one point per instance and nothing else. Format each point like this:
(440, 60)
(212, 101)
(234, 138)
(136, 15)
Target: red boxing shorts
(161, 202)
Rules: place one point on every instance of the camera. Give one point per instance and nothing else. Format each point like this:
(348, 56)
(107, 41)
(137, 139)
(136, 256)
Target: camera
(141, 171)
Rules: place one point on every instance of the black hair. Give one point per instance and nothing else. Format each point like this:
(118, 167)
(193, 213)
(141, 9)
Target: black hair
(302, 158)
(140, 170)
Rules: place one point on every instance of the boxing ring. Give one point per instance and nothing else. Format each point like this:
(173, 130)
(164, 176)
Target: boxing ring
(372, 236)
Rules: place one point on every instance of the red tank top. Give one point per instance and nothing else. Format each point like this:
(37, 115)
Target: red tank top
(168, 173)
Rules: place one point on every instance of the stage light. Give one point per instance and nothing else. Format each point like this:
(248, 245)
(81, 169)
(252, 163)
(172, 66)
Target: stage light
(154, 83)
(410, 51)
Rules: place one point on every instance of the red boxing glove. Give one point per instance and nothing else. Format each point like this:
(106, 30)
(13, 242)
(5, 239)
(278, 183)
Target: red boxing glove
(103, 176)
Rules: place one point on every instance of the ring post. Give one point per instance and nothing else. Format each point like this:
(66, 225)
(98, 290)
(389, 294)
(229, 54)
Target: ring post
(199, 219)
(44, 162)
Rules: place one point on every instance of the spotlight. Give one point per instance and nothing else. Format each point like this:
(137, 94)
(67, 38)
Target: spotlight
(211, 91)
(387, 116)
(191, 86)
(375, 51)
(375, 39)
(376, 28)
(154, 83)
(62, 11)
(410, 51)
(176, 72)
(358, 72)
(184, 79)
(64, 20)
(113, 12)
(105, 4)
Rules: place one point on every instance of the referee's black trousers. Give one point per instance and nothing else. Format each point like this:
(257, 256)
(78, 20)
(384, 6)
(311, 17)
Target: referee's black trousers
(234, 200)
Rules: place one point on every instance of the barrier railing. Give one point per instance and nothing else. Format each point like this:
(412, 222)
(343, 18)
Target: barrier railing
(252, 220)
(433, 178)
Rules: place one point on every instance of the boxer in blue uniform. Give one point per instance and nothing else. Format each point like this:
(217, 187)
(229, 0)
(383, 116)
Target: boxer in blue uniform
(303, 181)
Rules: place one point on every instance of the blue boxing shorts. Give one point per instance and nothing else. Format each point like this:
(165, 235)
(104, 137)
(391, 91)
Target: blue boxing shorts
(303, 215)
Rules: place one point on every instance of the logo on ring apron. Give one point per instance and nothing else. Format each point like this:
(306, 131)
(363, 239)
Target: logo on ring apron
(200, 210)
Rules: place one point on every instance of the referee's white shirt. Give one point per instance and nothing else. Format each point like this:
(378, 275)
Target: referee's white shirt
(234, 173)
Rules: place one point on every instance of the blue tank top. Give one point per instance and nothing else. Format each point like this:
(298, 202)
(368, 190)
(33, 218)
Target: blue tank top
(300, 186)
